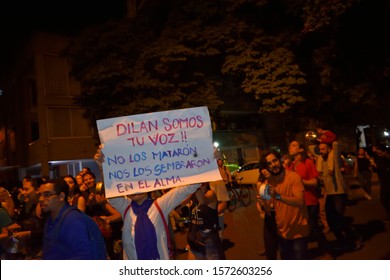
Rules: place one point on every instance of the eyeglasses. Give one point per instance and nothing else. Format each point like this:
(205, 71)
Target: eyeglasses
(47, 194)
(275, 160)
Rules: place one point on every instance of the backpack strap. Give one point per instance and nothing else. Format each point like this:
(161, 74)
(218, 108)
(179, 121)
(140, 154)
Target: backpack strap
(91, 234)
(163, 219)
(170, 247)
(126, 210)
(63, 215)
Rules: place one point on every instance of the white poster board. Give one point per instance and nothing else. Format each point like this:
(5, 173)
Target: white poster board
(153, 151)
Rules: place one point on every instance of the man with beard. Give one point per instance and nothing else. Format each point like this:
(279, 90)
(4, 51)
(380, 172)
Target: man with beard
(287, 192)
(67, 234)
(328, 166)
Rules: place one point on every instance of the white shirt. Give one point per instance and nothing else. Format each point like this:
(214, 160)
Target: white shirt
(167, 203)
(331, 172)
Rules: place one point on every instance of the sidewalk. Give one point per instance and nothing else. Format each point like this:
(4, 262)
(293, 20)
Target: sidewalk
(243, 238)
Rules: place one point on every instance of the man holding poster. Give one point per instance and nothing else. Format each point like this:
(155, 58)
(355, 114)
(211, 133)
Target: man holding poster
(148, 152)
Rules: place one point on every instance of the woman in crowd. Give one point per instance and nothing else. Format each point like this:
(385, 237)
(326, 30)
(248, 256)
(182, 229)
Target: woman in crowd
(362, 171)
(205, 222)
(74, 197)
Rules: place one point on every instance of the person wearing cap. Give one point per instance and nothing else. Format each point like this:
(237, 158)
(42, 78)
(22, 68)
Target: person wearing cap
(306, 169)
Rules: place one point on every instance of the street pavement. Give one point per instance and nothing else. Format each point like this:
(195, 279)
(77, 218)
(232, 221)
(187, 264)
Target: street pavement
(243, 239)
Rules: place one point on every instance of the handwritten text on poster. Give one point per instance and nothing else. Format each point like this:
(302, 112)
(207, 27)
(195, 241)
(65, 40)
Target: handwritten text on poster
(157, 151)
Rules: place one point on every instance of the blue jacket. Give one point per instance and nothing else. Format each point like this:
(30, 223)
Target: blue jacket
(70, 241)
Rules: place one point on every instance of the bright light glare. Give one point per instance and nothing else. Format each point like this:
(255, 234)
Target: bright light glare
(386, 133)
(216, 144)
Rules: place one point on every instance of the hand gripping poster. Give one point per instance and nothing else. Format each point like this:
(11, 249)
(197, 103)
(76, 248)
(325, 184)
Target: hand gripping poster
(154, 151)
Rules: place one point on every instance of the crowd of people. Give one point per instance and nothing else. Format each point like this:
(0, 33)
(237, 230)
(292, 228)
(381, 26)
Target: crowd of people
(304, 206)
(305, 198)
(33, 210)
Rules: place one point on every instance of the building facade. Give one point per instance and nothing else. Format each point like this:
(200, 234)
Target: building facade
(43, 131)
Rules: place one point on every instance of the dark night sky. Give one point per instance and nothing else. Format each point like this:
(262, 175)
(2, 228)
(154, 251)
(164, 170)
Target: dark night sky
(19, 17)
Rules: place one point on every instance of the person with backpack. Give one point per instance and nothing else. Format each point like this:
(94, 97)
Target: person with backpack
(203, 237)
(68, 232)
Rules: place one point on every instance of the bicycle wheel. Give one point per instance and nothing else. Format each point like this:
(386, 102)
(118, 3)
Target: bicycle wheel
(245, 196)
(233, 200)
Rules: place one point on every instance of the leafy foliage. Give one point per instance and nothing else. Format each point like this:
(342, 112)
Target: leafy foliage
(272, 78)
(175, 54)
(318, 14)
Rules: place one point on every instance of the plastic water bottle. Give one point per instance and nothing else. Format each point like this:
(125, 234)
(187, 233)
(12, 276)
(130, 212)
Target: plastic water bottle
(264, 191)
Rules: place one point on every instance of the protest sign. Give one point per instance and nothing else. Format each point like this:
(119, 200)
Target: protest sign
(158, 150)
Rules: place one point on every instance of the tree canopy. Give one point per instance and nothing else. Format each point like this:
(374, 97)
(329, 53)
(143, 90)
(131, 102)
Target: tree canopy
(288, 56)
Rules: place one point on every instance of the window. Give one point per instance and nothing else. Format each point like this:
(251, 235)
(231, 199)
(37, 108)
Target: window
(250, 166)
(56, 75)
(80, 126)
(67, 122)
